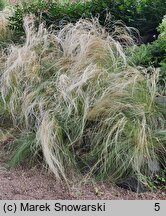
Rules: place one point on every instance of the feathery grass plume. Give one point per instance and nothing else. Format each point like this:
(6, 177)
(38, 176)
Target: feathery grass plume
(3, 25)
(90, 112)
(4, 29)
(127, 118)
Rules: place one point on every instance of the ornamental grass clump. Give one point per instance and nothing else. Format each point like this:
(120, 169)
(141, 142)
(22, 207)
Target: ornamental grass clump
(3, 25)
(85, 109)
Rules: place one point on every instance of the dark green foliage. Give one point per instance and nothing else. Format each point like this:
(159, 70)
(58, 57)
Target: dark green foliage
(154, 55)
(56, 14)
(1, 4)
(157, 51)
(141, 55)
(143, 15)
(151, 54)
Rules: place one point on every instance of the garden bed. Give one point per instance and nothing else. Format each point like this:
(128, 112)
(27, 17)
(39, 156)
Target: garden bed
(28, 184)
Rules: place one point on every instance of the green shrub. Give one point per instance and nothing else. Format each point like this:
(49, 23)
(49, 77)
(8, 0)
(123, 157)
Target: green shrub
(144, 15)
(153, 54)
(1, 5)
(137, 14)
(149, 55)
(140, 55)
(162, 28)
(56, 14)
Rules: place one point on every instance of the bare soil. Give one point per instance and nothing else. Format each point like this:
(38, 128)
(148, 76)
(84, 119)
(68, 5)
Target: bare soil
(28, 184)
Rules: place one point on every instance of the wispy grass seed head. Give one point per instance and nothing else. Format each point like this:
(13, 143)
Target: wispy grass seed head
(74, 90)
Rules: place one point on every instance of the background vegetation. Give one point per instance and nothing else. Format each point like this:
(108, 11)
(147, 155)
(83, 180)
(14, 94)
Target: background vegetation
(136, 14)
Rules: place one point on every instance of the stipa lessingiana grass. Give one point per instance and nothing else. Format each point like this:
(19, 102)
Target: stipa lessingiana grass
(5, 32)
(90, 112)
(3, 25)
